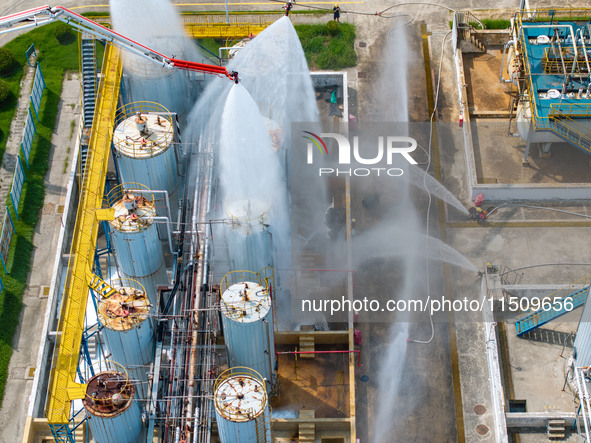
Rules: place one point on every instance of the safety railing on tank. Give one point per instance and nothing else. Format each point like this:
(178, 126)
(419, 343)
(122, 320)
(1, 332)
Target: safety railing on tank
(131, 310)
(237, 372)
(138, 195)
(124, 390)
(141, 145)
(238, 220)
(264, 278)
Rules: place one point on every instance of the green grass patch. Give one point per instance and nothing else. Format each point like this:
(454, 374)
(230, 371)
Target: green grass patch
(211, 44)
(493, 23)
(96, 14)
(326, 51)
(488, 23)
(54, 59)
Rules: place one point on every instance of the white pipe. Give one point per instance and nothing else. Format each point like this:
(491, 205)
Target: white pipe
(195, 291)
(168, 213)
(32, 25)
(578, 374)
(572, 33)
(84, 24)
(584, 50)
(221, 48)
(115, 40)
(509, 43)
(167, 220)
(586, 399)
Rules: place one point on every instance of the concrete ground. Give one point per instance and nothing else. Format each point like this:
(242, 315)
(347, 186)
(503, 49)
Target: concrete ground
(26, 340)
(498, 150)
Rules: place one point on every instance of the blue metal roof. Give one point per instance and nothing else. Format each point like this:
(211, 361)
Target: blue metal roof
(541, 81)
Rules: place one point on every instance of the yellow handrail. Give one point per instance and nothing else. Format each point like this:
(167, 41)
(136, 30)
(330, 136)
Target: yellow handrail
(570, 109)
(580, 135)
(554, 14)
(63, 387)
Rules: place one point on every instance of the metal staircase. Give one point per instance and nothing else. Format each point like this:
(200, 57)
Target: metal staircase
(89, 71)
(101, 287)
(89, 89)
(535, 319)
(571, 131)
(556, 429)
(306, 342)
(307, 430)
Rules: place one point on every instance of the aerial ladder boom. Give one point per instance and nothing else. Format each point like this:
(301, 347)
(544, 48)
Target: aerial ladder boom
(46, 14)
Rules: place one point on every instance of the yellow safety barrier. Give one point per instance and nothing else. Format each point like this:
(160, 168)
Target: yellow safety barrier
(216, 25)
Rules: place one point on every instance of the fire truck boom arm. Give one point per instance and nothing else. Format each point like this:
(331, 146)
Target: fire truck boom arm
(46, 14)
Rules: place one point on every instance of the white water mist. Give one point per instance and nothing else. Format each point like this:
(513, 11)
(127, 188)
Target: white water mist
(157, 25)
(252, 183)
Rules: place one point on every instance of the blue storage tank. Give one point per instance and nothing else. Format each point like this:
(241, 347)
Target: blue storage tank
(242, 407)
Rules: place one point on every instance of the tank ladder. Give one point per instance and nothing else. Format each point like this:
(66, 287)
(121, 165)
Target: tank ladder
(261, 429)
(535, 319)
(100, 286)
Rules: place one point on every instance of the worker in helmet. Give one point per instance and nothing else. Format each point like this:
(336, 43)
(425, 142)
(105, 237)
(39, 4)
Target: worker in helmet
(337, 12)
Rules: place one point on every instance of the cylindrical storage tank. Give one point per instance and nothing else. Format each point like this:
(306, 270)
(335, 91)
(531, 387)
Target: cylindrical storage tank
(249, 240)
(247, 319)
(112, 412)
(145, 80)
(134, 237)
(144, 150)
(129, 331)
(582, 344)
(242, 407)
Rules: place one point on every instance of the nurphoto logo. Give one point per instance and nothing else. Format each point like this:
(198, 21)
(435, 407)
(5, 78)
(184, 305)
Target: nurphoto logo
(387, 148)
